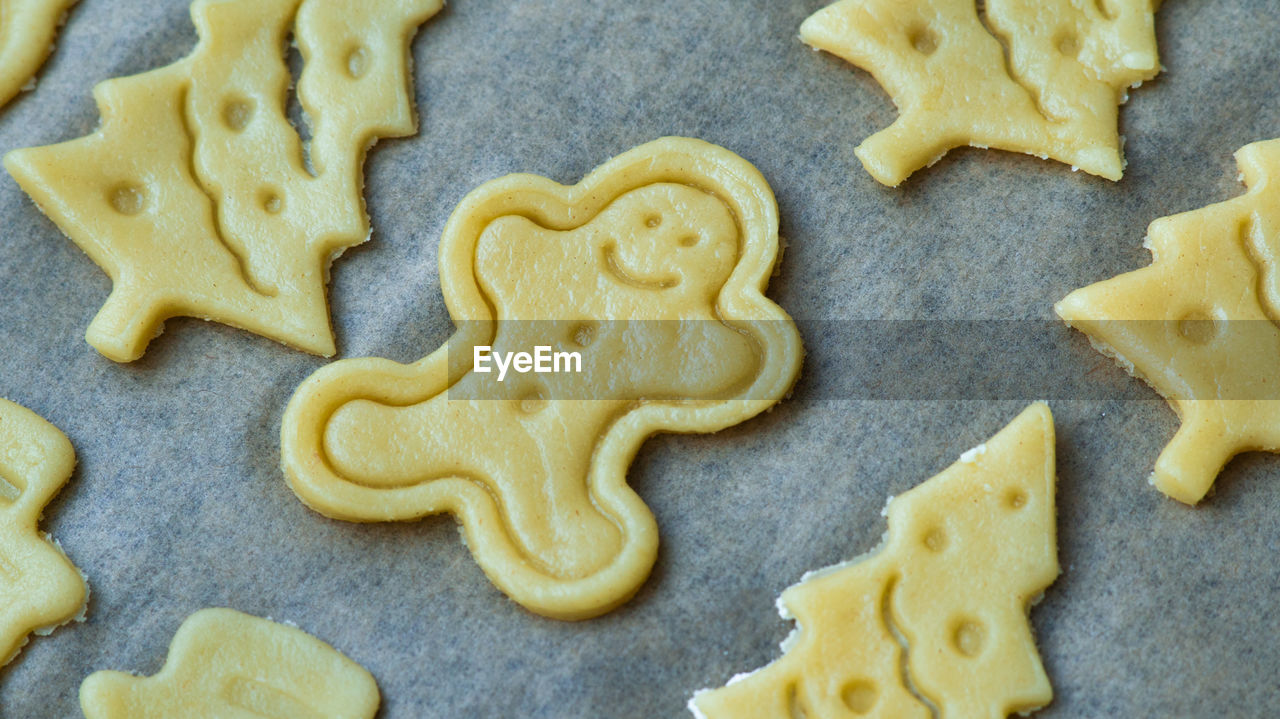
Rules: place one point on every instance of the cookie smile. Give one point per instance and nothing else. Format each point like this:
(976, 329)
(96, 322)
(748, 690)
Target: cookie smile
(633, 279)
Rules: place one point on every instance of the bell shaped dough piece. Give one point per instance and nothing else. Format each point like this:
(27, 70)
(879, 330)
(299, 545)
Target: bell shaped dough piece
(1044, 77)
(39, 587)
(933, 622)
(1199, 325)
(652, 269)
(196, 195)
(27, 30)
(226, 664)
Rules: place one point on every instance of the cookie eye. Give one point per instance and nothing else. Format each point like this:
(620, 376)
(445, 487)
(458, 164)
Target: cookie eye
(533, 401)
(583, 334)
(935, 540)
(127, 198)
(271, 201)
(968, 637)
(860, 696)
(924, 41)
(1015, 499)
(653, 221)
(1198, 327)
(1069, 44)
(689, 240)
(237, 113)
(357, 62)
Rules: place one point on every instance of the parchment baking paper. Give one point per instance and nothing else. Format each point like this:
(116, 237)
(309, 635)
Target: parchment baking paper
(178, 502)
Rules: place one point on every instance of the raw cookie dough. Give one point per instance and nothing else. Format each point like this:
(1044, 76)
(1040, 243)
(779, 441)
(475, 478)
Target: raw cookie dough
(1043, 77)
(653, 269)
(226, 664)
(27, 29)
(1199, 325)
(199, 198)
(934, 621)
(39, 587)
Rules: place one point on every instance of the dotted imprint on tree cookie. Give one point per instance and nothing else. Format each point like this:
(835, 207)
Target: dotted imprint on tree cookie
(39, 587)
(199, 198)
(226, 664)
(27, 31)
(652, 271)
(934, 621)
(1200, 325)
(1044, 77)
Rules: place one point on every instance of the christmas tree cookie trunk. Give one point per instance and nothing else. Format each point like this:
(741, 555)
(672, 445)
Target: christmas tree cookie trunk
(934, 621)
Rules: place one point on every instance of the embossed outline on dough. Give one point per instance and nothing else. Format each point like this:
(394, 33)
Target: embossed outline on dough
(741, 301)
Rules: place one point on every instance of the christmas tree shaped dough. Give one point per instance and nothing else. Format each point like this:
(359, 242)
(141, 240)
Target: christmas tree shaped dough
(936, 617)
(652, 269)
(27, 29)
(39, 587)
(199, 198)
(1043, 77)
(226, 664)
(1199, 325)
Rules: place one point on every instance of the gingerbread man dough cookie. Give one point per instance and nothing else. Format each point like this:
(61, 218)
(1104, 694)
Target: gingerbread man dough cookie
(1043, 77)
(934, 621)
(1202, 326)
(39, 587)
(652, 270)
(27, 30)
(199, 198)
(226, 664)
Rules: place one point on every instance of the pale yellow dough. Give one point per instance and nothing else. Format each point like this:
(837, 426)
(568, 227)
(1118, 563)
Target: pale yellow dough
(535, 468)
(1199, 325)
(227, 665)
(27, 30)
(39, 587)
(195, 197)
(1044, 77)
(936, 617)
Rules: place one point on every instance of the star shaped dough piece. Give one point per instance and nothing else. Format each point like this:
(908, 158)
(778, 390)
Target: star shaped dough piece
(226, 664)
(27, 30)
(39, 587)
(1044, 77)
(1199, 325)
(196, 195)
(934, 617)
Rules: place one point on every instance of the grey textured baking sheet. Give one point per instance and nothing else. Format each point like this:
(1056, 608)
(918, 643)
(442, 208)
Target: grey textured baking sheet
(178, 504)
